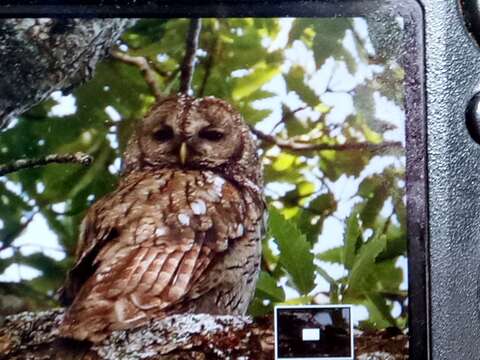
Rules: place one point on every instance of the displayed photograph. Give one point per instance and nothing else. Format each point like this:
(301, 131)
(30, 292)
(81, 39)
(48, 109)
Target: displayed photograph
(159, 170)
(314, 332)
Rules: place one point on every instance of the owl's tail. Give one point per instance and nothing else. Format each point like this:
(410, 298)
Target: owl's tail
(95, 320)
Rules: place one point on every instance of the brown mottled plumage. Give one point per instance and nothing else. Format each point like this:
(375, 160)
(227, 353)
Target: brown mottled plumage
(182, 231)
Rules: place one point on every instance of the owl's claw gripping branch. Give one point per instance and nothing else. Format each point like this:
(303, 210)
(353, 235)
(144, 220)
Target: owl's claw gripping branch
(78, 158)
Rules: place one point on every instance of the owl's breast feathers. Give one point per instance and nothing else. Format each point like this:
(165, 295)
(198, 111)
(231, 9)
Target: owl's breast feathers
(164, 242)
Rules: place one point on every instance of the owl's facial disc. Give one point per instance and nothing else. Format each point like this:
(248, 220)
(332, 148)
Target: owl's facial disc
(195, 133)
(213, 133)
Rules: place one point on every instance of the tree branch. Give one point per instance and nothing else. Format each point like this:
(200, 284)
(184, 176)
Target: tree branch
(185, 336)
(305, 147)
(79, 158)
(287, 114)
(33, 335)
(208, 65)
(147, 71)
(11, 236)
(188, 63)
(40, 55)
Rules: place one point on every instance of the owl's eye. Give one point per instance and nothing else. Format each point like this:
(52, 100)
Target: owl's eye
(211, 135)
(163, 134)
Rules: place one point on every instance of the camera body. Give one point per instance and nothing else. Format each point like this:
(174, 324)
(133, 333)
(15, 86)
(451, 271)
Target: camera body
(442, 75)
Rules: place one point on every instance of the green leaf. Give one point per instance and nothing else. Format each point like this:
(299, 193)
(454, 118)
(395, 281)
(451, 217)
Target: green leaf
(53, 272)
(12, 208)
(379, 311)
(302, 29)
(400, 208)
(267, 288)
(329, 34)
(295, 251)
(388, 276)
(396, 242)
(324, 203)
(5, 263)
(283, 162)
(295, 80)
(365, 261)
(301, 300)
(375, 189)
(337, 163)
(262, 74)
(305, 188)
(351, 240)
(325, 275)
(258, 308)
(334, 255)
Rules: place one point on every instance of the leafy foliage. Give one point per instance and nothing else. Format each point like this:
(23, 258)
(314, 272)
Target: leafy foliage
(313, 81)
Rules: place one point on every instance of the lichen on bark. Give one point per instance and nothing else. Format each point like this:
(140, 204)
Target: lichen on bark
(186, 336)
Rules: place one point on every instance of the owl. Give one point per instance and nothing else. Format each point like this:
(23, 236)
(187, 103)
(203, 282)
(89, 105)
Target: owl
(182, 231)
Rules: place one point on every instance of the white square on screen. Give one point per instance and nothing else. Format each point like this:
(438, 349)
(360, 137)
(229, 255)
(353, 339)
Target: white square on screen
(310, 334)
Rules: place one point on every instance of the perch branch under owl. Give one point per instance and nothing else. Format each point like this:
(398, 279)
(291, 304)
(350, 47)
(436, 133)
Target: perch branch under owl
(78, 157)
(177, 337)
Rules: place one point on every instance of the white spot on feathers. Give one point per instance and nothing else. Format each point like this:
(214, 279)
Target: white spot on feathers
(184, 219)
(218, 185)
(199, 207)
(239, 230)
(136, 301)
(119, 308)
(160, 231)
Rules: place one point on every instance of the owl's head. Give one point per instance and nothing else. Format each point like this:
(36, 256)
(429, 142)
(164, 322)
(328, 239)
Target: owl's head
(186, 132)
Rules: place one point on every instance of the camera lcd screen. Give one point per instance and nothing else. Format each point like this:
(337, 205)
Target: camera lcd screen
(331, 103)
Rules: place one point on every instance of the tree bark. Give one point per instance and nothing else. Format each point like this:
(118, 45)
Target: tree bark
(34, 336)
(40, 56)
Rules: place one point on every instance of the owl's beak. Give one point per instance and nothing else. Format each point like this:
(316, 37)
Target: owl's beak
(183, 153)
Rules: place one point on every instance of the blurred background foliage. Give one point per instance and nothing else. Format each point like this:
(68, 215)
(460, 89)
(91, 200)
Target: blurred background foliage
(337, 228)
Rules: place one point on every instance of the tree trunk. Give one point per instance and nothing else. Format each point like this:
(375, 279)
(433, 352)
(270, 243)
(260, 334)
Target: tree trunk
(40, 56)
(34, 336)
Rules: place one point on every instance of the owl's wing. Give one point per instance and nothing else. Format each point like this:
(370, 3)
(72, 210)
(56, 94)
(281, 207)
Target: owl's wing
(161, 250)
(87, 247)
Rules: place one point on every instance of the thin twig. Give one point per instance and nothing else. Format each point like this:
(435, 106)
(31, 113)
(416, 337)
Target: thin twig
(148, 73)
(10, 237)
(305, 147)
(155, 66)
(287, 114)
(208, 65)
(79, 157)
(387, 223)
(188, 63)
